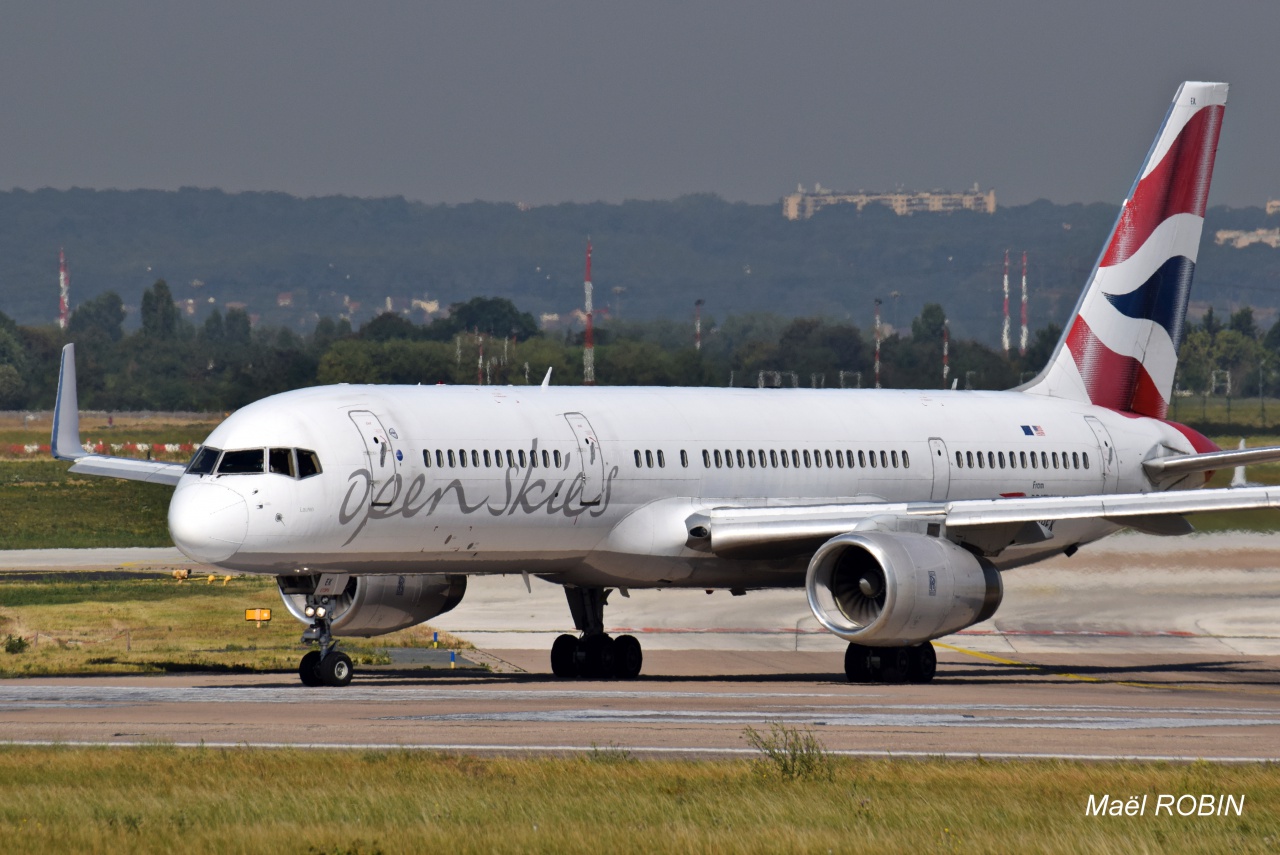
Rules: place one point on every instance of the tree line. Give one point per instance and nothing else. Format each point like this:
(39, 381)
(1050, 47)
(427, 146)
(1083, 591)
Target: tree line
(224, 362)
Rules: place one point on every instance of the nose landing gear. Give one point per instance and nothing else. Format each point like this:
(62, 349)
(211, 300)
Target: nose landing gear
(326, 666)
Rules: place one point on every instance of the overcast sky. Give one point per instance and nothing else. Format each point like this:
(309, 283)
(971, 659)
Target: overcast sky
(548, 102)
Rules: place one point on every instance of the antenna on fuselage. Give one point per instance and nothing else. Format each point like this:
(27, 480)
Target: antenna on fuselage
(546, 381)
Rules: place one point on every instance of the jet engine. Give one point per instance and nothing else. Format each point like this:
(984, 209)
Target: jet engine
(884, 589)
(375, 605)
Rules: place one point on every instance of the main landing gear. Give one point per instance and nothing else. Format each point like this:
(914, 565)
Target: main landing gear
(916, 664)
(595, 655)
(326, 666)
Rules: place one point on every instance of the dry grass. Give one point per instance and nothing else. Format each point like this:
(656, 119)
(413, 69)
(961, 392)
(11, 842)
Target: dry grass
(250, 800)
(113, 626)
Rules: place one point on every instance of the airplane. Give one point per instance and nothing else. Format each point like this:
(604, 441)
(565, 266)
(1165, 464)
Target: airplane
(896, 511)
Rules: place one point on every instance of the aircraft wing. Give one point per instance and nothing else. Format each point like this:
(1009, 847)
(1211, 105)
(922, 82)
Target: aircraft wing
(992, 524)
(65, 442)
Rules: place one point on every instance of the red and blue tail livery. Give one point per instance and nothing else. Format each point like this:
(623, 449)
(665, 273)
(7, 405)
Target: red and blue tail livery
(1120, 349)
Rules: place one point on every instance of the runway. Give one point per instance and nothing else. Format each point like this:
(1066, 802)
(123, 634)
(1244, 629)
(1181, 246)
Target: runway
(1133, 648)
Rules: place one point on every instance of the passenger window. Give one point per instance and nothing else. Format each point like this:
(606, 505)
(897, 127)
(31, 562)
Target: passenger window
(648, 459)
(487, 461)
(959, 460)
(1044, 460)
(862, 460)
(1000, 459)
(662, 460)
(475, 458)
(308, 463)
(808, 461)
(203, 461)
(795, 458)
(1013, 460)
(1075, 460)
(462, 458)
(706, 459)
(773, 458)
(906, 462)
(751, 458)
(241, 462)
(1055, 460)
(426, 458)
(728, 459)
(981, 460)
(533, 459)
(827, 454)
(893, 455)
(511, 460)
(1022, 458)
(718, 461)
(546, 458)
(1085, 455)
(522, 458)
(817, 459)
(839, 458)
(991, 460)
(740, 463)
(784, 459)
(884, 463)
(1033, 460)
(452, 462)
(637, 453)
(872, 455)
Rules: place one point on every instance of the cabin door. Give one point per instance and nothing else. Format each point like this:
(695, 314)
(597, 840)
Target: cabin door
(590, 458)
(381, 457)
(1107, 461)
(941, 469)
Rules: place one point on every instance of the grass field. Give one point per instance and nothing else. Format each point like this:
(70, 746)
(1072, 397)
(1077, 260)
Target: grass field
(154, 625)
(163, 799)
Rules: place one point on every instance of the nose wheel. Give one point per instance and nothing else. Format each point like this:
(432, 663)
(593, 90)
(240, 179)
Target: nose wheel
(326, 666)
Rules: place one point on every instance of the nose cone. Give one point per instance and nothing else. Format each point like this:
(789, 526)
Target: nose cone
(208, 522)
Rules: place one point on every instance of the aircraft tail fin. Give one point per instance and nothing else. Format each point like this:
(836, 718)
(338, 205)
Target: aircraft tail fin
(1120, 347)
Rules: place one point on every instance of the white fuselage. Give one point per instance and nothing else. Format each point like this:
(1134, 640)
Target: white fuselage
(394, 496)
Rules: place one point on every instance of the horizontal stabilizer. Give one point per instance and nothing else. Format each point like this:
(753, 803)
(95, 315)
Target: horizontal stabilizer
(65, 442)
(1163, 467)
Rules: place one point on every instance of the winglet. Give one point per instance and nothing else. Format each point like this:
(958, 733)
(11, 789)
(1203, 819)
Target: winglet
(65, 442)
(546, 381)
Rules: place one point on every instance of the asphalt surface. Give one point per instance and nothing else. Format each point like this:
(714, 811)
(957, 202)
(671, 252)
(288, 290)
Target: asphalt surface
(1136, 647)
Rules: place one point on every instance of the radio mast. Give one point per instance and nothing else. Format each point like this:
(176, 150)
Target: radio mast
(64, 290)
(589, 344)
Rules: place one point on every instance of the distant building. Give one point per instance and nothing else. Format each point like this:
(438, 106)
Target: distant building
(801, 205)
(1240, 239)
(1273, 206)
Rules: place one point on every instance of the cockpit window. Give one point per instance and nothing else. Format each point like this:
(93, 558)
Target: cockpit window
(280, 461)
(203, 461)
(308, 463)
(247, 462)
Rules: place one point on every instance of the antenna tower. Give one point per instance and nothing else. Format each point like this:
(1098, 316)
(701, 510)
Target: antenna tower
(589, 343)
(1022, 341)
(697, 324)
(64, 290)
(946, 347)
(877, 342)
(1004, 332)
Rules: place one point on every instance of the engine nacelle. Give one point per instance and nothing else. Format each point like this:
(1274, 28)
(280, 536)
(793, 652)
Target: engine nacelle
(887, 589)
(376, 605)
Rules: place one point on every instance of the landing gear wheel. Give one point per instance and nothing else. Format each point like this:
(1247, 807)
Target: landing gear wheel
(922, 663)
(628, 657)
(564, 657)
(857, 666)
(308, 669)
(894, 662)
(595, 657)
(335, 669)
